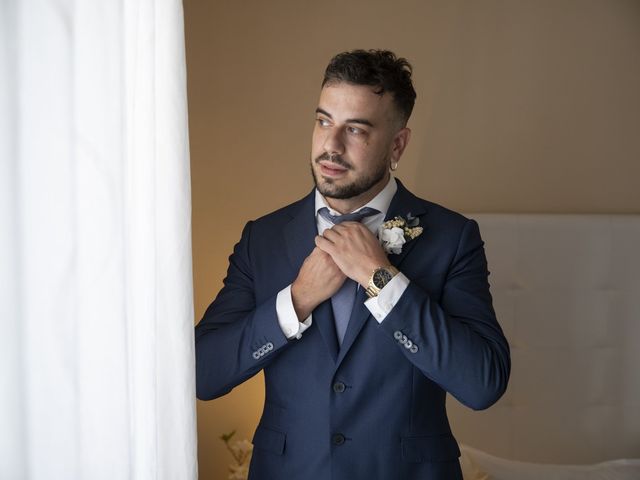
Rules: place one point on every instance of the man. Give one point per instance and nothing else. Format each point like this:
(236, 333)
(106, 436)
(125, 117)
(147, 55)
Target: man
(359, 342)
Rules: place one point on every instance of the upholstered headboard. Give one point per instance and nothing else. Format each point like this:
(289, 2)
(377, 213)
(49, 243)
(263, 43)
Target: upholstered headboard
(566, 290)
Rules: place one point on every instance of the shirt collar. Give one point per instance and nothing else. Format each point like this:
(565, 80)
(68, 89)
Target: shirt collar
(380, 202)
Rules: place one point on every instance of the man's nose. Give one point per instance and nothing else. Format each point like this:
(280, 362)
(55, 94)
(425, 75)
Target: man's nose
(333, 142)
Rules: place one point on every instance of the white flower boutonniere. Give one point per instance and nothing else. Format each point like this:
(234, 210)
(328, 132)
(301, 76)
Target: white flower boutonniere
(393, 234)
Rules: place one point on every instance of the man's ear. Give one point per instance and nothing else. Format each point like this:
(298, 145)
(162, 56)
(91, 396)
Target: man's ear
(400, 142)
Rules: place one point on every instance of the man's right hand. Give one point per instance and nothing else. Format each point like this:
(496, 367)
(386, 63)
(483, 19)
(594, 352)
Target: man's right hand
(319, 278)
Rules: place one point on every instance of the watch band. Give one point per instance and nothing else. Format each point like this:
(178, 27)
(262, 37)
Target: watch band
(385, 273)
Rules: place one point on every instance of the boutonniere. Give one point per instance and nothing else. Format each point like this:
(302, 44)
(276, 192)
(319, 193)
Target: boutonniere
(396, 232)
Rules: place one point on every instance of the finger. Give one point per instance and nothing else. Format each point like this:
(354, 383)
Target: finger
(331, 234)
(346, 228)
(324, 244)
(323, 256)
(351, 225)
(317, 252)
(327, 261)
(357, 226)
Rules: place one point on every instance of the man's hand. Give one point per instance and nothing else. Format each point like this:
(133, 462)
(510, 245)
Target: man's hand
(354, 249)
(319, 278)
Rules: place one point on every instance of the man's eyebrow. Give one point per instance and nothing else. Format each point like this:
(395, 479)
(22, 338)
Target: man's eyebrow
(323, 112)
(361, 121)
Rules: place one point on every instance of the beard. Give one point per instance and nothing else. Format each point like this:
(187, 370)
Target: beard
(328, 187)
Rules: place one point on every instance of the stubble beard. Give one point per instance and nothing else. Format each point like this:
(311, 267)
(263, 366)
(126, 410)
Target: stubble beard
(328, 188)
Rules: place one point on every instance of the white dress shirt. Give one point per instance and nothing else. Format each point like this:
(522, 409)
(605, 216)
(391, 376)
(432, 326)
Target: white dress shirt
(379, 306)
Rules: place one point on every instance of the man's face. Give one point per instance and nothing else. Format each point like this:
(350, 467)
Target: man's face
(355, 139)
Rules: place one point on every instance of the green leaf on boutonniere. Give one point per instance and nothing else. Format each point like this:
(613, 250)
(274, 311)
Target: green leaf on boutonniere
(412, 221)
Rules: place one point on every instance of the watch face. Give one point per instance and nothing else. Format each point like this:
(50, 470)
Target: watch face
(381, 277)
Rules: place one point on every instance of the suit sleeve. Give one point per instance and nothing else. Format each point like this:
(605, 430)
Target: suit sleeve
(236, 338)
(457, 342)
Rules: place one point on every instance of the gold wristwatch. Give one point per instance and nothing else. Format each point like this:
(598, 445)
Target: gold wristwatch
(379, 278)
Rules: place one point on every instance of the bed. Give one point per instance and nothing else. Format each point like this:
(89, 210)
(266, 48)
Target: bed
(566, 290)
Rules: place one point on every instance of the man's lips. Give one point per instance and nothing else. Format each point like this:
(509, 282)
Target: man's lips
(330, 169)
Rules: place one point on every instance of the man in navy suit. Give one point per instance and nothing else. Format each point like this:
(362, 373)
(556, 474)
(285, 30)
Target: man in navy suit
(361, 324)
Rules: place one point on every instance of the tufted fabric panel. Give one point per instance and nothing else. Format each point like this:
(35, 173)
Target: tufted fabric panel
(566, 291)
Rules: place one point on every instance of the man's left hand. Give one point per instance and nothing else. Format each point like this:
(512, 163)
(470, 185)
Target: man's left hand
(354, 249)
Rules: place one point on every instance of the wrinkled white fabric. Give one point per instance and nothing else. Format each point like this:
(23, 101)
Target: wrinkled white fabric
(96, 337)
(479, 465)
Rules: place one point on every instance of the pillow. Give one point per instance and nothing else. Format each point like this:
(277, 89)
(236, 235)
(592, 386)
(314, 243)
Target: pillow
(478, 465)
(470, 470)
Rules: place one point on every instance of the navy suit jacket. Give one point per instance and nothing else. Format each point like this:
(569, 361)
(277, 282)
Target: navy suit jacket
(373, 408)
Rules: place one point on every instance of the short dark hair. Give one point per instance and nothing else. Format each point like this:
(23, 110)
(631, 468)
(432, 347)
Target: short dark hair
(378, 68)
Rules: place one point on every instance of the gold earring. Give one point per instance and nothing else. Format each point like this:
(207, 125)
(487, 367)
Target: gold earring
(394, 166)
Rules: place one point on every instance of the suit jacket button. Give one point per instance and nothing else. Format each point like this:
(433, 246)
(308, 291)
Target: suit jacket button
(256, 355)
(414, 348)
(337, 439)
(338, 387)
(397, 334)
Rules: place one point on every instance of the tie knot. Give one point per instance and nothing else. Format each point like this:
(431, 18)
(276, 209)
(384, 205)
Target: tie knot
(347, 217)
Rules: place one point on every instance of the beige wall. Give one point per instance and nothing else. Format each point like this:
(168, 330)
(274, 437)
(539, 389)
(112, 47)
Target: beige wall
(523, 106)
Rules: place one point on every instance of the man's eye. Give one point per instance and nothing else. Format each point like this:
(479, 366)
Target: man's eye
(323, 122)
(355, 130)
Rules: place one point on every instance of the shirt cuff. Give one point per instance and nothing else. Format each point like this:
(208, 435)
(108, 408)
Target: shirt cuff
(287, 318)
(383, 303)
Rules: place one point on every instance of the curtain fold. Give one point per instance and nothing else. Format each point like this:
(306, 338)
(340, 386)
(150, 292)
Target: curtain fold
(96, 337)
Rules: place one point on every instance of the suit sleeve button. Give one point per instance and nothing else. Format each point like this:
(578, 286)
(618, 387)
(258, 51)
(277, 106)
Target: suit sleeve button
(397, 334)
(339, 387)
(414, 349)
(408, 344)
(256, 355)
(337, 439)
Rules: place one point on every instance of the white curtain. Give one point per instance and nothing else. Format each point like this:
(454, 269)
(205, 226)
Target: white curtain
(96, 310)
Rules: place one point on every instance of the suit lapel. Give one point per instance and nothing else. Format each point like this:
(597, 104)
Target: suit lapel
(403, 203)
(323, 318)
(300, 232)
(359, 316)
(299, 235)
